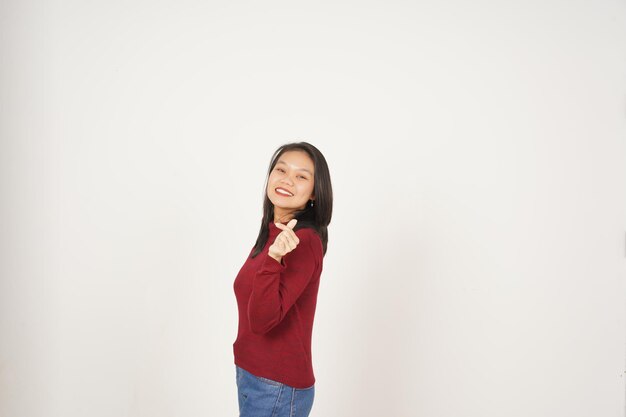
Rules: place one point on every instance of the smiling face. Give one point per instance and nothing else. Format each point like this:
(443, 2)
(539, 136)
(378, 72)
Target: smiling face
(293, 173)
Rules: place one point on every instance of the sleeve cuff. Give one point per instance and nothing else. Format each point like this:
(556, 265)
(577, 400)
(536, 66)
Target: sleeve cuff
(272, 265)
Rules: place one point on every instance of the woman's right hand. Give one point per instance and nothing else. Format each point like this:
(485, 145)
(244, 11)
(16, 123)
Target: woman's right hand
(285, 242)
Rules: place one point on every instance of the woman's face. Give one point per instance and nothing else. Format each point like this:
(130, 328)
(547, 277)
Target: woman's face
(292, 172)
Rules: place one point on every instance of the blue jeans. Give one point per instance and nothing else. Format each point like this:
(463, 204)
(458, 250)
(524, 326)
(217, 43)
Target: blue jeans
(262, 397)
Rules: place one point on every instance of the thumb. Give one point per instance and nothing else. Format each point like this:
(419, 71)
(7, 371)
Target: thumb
(289, 225)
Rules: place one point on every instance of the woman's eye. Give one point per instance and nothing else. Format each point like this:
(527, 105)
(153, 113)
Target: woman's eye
(299, 176)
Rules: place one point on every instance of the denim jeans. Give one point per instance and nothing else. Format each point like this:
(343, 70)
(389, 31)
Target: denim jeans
(262, 397)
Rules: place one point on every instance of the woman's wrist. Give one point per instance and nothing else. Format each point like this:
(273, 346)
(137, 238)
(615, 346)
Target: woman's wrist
(278, 258)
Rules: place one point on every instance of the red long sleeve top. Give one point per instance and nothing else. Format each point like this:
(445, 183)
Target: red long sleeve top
(276, 304)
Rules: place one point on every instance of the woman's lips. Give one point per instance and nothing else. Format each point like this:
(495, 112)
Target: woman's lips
(283, 192)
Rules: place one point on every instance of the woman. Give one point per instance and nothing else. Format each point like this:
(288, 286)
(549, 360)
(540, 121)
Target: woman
(276, 288)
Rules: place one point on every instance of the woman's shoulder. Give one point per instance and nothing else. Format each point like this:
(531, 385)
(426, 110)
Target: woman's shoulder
(308, 235)
(307, 231)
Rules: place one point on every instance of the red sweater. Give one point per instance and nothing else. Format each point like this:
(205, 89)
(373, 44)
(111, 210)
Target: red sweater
(276, 303)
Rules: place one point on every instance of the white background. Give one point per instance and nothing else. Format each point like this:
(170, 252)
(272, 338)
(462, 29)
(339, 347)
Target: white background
(476, 260)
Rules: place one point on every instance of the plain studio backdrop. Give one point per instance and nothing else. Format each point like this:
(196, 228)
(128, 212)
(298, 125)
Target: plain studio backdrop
(476, 261)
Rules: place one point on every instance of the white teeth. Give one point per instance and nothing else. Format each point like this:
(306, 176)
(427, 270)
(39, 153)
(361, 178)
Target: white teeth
(279, 191)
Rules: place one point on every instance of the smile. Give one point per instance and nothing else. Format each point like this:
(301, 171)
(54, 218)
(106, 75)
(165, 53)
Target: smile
(284, 192)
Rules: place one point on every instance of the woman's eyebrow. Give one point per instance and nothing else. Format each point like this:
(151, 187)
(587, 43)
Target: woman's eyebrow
(299, 169)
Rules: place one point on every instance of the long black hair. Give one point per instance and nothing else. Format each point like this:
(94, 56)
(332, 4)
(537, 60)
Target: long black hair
(316, 217)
